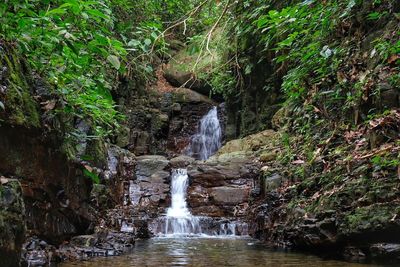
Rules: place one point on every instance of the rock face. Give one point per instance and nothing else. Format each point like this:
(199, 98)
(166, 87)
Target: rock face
(162, 124)
(12, 222)
(56, 197)
(149, 192)
(221, 186)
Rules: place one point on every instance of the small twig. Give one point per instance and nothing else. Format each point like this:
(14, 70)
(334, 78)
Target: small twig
(209, 35)
(180, 22)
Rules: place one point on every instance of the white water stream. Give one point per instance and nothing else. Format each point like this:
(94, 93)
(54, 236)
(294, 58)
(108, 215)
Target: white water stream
(179, 220)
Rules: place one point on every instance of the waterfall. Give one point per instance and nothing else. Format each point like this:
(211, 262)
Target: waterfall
(179, 220)
(208, 139)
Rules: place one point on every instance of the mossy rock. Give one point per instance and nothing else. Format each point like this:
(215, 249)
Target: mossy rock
(20, 108)
(251, 143)
(369, 219)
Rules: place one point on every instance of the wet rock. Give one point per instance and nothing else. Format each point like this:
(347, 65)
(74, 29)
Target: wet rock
(198, 196)
(36, 252)
(101, 196)
(12, 222)
(149, 191)
(101, 244)
(352, 253)
(388, 251)
(221, 186)
(160, 177)
(84, 241)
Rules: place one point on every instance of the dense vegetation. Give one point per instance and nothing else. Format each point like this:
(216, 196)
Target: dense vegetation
(82, 47)
(307, 51)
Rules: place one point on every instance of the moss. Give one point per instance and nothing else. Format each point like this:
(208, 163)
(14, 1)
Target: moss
(370, 218)
(97, 152)
(21, 108)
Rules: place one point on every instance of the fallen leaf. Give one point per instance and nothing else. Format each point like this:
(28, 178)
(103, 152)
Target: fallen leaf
(87, 167)
(3, 180)
(299, 161)
(50, 105)
(393, 58)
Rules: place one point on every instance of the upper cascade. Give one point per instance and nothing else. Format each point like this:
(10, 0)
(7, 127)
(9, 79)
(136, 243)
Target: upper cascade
(209, 137)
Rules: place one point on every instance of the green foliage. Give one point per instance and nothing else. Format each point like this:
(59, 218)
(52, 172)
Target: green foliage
(68, 41)
(384, 161)
(94, 177)
(388, 47)
(296, 35)
(81, 47)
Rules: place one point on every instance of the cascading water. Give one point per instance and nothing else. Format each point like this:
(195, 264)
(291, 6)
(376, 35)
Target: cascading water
(179, 220)
(208, 140)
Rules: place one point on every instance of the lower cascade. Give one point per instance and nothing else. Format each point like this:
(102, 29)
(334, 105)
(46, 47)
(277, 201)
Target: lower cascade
(179, 220)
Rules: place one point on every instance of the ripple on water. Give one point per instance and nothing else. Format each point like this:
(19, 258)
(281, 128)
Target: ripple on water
(201, 252)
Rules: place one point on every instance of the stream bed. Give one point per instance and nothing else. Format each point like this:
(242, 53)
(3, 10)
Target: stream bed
(210, 252)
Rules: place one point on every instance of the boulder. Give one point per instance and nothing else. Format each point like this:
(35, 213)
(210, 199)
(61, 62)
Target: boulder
(184, 95)
(230, 195)
(385, 251)
(181, 161)
(272, 182)
(150, 164)
(218, 171)
(250, 143)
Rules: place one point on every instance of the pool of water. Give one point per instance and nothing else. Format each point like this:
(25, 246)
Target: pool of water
(210, 252)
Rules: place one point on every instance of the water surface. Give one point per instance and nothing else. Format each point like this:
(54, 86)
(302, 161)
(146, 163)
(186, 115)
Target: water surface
(209, 252)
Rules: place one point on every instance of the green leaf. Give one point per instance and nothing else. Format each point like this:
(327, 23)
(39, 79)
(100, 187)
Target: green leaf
(147, 42)
(96, 13)
(2, 106)
(56, 11)
(92, 176)
(133, 43)
(114, 61)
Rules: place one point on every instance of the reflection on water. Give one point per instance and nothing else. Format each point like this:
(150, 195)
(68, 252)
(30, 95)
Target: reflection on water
(210, 252)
